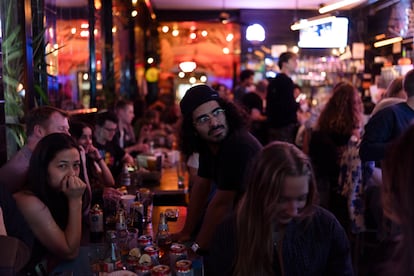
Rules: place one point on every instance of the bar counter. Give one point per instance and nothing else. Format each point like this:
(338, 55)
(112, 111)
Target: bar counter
(167, 196)
(165, 189)
(81, 265)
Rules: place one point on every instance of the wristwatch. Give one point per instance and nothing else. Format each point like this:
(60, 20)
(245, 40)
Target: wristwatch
(195, 247)
(198, 250)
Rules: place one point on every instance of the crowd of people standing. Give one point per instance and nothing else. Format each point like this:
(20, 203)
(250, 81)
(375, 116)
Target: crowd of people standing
(260, 204)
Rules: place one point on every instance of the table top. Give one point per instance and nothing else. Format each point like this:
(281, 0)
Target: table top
(81, 264)
(169, 181)
(173, 226)
(167, 191)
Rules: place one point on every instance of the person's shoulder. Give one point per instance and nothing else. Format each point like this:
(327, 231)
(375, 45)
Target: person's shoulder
(322, 212)
(392, 108)
(21, 156)
(323, 217)
(28, 202)
(243, 138)
(387, 112)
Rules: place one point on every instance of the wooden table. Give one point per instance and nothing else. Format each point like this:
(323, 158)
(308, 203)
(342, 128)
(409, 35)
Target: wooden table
(173, 226)
(81, 264)
(167, 193)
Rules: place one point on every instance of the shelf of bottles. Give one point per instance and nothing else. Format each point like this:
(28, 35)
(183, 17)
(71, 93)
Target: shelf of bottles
(326, 71)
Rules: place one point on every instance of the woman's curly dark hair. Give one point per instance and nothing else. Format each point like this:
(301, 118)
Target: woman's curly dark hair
(189, 141)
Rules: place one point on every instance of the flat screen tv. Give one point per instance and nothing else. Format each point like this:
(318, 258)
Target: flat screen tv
(333, 34)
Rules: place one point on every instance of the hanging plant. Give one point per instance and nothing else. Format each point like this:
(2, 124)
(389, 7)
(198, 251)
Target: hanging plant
(13, 70)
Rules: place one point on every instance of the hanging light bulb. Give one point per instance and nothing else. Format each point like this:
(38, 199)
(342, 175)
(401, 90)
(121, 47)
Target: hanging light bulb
(187, 66)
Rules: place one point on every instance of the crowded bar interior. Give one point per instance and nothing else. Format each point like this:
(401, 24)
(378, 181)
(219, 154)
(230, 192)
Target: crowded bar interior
(221, 137)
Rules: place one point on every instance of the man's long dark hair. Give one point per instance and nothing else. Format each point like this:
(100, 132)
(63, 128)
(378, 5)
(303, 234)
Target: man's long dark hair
(190, 141)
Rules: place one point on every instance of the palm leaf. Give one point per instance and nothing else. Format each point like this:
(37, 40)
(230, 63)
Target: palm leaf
(41, 93)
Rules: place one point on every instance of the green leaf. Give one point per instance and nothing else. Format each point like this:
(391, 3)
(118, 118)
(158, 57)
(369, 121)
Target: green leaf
(41, 93)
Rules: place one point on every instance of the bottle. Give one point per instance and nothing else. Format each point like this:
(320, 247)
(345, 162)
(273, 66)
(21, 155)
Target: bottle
(146, 197)
(163, 238)
(121, 219)
(151, 149)
(96, 224)
(137, 210)
(112, 260)
(125, 176)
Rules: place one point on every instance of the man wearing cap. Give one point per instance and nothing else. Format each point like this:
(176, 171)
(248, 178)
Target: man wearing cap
(217, 130)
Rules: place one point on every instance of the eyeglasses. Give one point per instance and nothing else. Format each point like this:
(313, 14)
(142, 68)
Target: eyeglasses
(205, 119)
(110, 129)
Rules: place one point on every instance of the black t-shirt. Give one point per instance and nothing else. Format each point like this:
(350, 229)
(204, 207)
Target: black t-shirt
(252, 100)
(281, 106)
(113, 155)
(14, 222)
(227, 168)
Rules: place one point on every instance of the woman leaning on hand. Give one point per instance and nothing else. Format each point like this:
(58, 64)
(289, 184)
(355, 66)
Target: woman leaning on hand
(51, 202)
(277, 229)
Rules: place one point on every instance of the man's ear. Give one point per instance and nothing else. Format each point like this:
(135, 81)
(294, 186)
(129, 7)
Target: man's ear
(39, 131)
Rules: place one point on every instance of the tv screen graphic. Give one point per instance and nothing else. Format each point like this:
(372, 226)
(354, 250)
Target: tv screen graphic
(333, 34)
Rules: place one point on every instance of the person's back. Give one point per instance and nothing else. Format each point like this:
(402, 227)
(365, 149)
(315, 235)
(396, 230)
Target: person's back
(388, 124)
(340, 120)
(246, 80)
(39, 122)
(281, 106)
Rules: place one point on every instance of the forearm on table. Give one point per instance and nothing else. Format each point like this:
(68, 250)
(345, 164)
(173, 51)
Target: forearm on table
(198, 201)
(129, 149)
(139, 147)
(106, 174)
(73, 229)
(220, 206)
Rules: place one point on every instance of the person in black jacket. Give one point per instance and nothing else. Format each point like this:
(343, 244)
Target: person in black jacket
(281, 105)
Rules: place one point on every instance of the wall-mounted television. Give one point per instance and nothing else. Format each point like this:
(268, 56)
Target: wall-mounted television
(333, 34)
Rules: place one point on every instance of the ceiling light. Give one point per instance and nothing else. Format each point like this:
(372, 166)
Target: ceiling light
(304, 23)
(187, 66)
(387, 41)
(175, 32)
(165, 29)
(192, 80)
(337, 5)
(255, 32)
